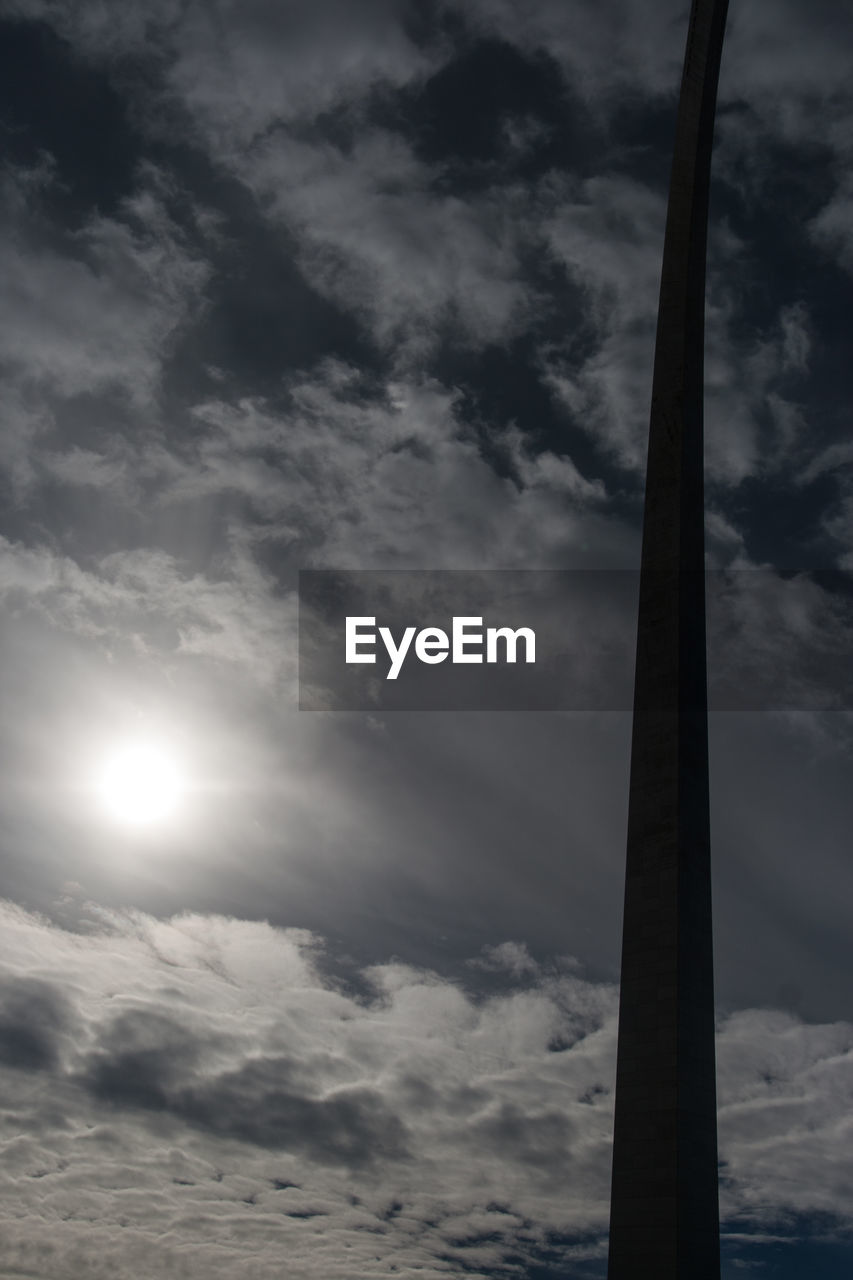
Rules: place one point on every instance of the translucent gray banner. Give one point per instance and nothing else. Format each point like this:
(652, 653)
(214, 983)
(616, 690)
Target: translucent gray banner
(561, 640)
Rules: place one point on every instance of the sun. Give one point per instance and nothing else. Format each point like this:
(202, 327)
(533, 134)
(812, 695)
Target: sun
(140, 784)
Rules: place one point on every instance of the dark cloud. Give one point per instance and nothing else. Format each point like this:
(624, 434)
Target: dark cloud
(150, 1061)
(353, 1127)
(140, 1059)
(493, 113)
(35, 1020)
(538, 1140)
(56, 104)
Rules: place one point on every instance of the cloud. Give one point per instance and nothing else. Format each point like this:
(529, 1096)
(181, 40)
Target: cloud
(205, 1095)
(512, 958)
(218, 1091)
(100, 314)
(151, 1062)
(787, 61)
(379, 236)
(143, 603)
(608, 53)
(784, 1124)
(199, 1089)
(608, 232)
(831, 228)
(286, 62)
(33, 1020)
(754, 424)
(350, 476)
(353, 1127)
(238, 68)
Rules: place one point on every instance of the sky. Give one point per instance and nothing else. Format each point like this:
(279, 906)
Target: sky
(295, 286)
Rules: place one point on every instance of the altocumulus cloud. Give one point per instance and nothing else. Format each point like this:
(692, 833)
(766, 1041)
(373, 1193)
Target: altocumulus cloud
(201, 1094)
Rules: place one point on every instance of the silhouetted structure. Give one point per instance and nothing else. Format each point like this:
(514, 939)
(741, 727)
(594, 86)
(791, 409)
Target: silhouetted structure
(664, 1221)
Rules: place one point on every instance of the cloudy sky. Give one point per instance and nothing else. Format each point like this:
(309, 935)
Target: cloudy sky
(296, 286)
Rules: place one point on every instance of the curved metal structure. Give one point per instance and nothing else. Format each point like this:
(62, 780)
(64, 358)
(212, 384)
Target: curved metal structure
(664, 1219)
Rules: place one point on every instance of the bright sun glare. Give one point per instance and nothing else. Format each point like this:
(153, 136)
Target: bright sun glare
(140, 784)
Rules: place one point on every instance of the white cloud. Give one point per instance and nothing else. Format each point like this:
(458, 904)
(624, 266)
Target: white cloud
(101, 315)
(377, 238)
(751, 426)
(777, 642)
(129, 599)
(608, 232)
(396, 481)
(247, 66)
(512, 958)
(199, 1091)
(832, 228)
(785, 1122)
(417, 1125)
